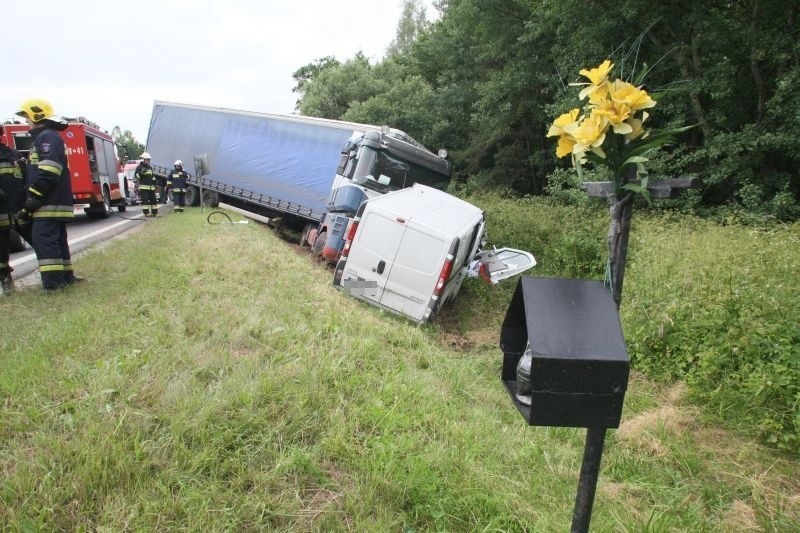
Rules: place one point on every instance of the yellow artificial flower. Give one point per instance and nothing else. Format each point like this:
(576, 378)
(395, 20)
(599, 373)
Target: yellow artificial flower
(597, 90)
(637, 127)
(565, 123)
(590, 134)
(637, 99)
(566, 143)
(600, 74)
(616, 113)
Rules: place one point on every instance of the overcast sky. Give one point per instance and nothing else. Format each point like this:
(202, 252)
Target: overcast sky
(108, 60)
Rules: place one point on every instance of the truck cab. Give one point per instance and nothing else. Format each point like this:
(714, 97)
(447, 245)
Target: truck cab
(372, 164)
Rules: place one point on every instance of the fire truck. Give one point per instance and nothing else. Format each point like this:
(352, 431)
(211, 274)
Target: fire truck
(92, 160)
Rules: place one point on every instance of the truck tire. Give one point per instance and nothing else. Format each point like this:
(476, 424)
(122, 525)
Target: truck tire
(211, 198)
(319, 243)
(102, 209)
(192, 196)
(307, 229)
(15, 242)
(122, 205)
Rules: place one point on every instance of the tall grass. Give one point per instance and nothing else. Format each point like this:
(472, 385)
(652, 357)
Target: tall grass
(211, 378)
(718, 307)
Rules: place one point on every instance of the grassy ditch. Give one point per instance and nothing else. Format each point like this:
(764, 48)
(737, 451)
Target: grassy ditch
(210, 378)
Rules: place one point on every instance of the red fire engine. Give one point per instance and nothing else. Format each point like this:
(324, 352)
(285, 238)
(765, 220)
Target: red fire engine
(93, 163)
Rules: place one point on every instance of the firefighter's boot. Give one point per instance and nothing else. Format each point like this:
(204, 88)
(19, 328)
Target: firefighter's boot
(72, 279)
(6, 282)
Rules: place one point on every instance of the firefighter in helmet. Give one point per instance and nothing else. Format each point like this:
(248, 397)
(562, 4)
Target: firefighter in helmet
(48, 202)
(177, 182)
(12, 195)
(146, 179)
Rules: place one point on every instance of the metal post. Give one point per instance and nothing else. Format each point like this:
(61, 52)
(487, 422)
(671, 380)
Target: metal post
(199, 171)
(587, 483)
(202, 205)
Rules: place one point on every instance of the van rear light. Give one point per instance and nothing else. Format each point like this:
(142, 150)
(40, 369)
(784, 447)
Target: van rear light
(444, 275)
(351, 233)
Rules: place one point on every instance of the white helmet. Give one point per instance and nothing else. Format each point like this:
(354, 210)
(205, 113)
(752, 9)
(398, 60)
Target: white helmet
(178, 163)
(145, 155)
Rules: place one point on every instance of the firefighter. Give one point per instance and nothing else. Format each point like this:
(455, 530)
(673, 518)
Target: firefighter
(12, 195)
(48, 202)
(177, 182)
(146, 179)
(161, 181)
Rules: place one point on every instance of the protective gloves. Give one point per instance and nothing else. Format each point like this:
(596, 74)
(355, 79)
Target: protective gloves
(32, 204)
(23, 216)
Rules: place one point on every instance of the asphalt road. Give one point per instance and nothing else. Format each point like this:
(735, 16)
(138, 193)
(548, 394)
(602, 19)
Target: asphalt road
(83, 233)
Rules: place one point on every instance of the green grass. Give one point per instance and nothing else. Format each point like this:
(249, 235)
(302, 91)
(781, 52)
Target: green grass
(211, 378)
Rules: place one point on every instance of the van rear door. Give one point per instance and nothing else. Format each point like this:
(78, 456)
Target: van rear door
(415, 271)
(371, 255)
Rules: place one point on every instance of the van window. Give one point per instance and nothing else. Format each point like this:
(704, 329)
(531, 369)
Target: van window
(421, 252)
(380, 235)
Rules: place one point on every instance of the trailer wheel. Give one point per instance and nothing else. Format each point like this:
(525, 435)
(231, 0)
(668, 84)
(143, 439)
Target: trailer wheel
(307, 229)
(211, 198)
(319, 243)
(192, 196)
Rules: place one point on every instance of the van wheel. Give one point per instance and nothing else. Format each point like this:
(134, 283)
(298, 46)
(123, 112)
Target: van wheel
(319, 243)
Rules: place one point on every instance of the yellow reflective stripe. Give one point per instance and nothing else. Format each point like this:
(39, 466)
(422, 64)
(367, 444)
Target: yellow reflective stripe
(51, 268)
(52, 207)
(4, 222)
(34, 191)
(50, 162)
(146, 187)
(53, 213)
(7, 170)
(51, 168)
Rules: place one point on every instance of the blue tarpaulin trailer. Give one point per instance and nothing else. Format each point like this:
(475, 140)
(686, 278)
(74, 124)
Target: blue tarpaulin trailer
(280, 163)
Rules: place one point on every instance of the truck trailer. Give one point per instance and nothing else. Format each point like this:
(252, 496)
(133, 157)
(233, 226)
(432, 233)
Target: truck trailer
(312, 173)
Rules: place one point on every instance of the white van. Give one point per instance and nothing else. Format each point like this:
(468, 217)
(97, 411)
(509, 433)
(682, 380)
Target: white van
(409, 251)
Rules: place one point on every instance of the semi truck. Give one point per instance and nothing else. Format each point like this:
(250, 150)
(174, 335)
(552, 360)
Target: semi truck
(92, 159)
(311, 173)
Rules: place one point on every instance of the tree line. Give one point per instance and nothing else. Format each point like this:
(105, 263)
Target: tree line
(486, 79)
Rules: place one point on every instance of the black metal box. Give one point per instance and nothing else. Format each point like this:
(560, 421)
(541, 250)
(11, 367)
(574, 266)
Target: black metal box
(579, 369)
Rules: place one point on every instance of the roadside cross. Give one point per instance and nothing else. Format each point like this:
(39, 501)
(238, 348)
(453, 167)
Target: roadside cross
(621, 210)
